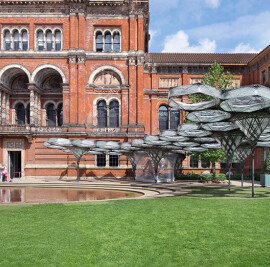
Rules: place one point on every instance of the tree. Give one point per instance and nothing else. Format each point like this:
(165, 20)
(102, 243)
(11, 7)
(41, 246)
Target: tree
(216, 77)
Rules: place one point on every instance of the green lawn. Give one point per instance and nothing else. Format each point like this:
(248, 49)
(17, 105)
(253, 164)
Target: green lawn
(209, 227)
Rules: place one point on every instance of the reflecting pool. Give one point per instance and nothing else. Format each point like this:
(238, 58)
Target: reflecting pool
(52, 195)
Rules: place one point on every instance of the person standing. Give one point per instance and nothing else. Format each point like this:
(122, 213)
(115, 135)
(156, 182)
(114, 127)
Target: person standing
(4, 174)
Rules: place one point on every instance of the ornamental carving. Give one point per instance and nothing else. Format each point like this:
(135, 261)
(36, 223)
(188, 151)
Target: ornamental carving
(168, 82)
(107, 78)
(72, 60)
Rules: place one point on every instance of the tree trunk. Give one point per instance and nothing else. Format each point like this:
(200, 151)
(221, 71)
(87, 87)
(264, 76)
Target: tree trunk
(214, 169)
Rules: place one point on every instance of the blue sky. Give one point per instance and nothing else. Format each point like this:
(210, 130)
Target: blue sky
(220, 26)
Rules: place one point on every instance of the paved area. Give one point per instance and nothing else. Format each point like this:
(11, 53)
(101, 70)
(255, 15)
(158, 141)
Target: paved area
(148, 189)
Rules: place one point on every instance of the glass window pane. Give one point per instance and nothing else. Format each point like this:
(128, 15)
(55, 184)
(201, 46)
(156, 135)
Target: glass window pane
(116, 42)
(102, 114)
(16, 40)
(7, 41)
(49, 40)
(108, 42)
(58, 40)
(114, 114)
(174, 119)
(113, 161)
(51, 115)
(28, 114)
(205, 164)
(40, 41)
(193, 162)
(101, 160)
(99, 42)
(20, 114)
(25, 40)
(163, 118)
(60, 115)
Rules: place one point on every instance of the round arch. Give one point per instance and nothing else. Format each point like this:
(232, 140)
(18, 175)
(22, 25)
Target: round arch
(104, 68)
(48, 66)
(14, 66)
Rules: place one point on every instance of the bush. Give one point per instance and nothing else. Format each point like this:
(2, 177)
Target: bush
(200, 177)
(238, 176)
(266, 167)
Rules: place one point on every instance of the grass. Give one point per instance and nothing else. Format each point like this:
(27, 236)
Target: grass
(209, 227)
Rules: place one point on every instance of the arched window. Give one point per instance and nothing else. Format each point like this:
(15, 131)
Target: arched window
(28, 114)
(108, 42)
(114, 114)
(99, 42)
(163, 118)
(51, 115)
(7, 38)
(102, 114)
(116, 42)
(16, 40)
(20, 114)
(24, 40)
(49, 40)
(58, 42)
(174, 118)
(40, 41)
(60, 115)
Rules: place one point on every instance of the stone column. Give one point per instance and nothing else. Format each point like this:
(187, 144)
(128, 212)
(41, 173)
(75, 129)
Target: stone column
(32, 106)
(0, 107)
(7, 109)
(39, 109)
(36, 108)
(3, 108)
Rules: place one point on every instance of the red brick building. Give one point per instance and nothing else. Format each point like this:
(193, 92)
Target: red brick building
(81, 69)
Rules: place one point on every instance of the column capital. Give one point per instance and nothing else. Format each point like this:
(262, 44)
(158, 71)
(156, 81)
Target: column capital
(34, 87)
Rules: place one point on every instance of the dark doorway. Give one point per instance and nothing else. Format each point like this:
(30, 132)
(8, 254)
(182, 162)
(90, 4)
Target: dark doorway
(15, 164)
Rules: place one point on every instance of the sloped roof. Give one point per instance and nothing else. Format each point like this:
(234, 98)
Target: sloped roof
(206, 58)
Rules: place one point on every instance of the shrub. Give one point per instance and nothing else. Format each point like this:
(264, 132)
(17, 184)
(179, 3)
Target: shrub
(266, 167)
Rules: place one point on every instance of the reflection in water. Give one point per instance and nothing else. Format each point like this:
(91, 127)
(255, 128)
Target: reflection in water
(49, 195)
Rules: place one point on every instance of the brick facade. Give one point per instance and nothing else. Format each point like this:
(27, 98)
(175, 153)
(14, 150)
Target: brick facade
(69, 79)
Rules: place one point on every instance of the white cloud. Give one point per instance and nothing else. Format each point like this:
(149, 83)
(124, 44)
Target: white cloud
(213, 3)
(246, 29)
(179, 43)
(153, 34)
(243, 48)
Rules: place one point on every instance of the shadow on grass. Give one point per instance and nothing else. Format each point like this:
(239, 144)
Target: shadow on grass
(236, 192)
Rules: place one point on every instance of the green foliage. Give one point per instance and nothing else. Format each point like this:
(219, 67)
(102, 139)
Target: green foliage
(266, 167)
(200, 177)
(238, 176)
(213, 155)
(216, 77)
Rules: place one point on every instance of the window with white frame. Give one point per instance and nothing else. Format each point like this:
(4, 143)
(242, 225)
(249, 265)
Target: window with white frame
(107, 40)
(48, 39)
(15, 38)
(107, 160)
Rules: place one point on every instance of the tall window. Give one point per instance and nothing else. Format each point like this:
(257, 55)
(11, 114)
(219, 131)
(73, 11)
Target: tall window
(114, 114)
(168, 118)
(263, 76)
(163, 118)
(193, 162)
(49, 40)
(24, 40)
(101, 160)
(116, 42)
(113, 161)
(60, 115)
(51, 115)
(28, 114)
(7, 40)
(108, 42)
(40, 41)
(174, 118)
(16, 40)
(58, 42)
(20, 114)
(102, 114)
(99, 42)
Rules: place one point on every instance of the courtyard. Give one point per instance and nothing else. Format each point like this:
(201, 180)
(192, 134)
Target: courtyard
(208, 226)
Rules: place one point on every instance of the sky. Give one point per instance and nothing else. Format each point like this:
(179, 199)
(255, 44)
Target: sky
(209, 26)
